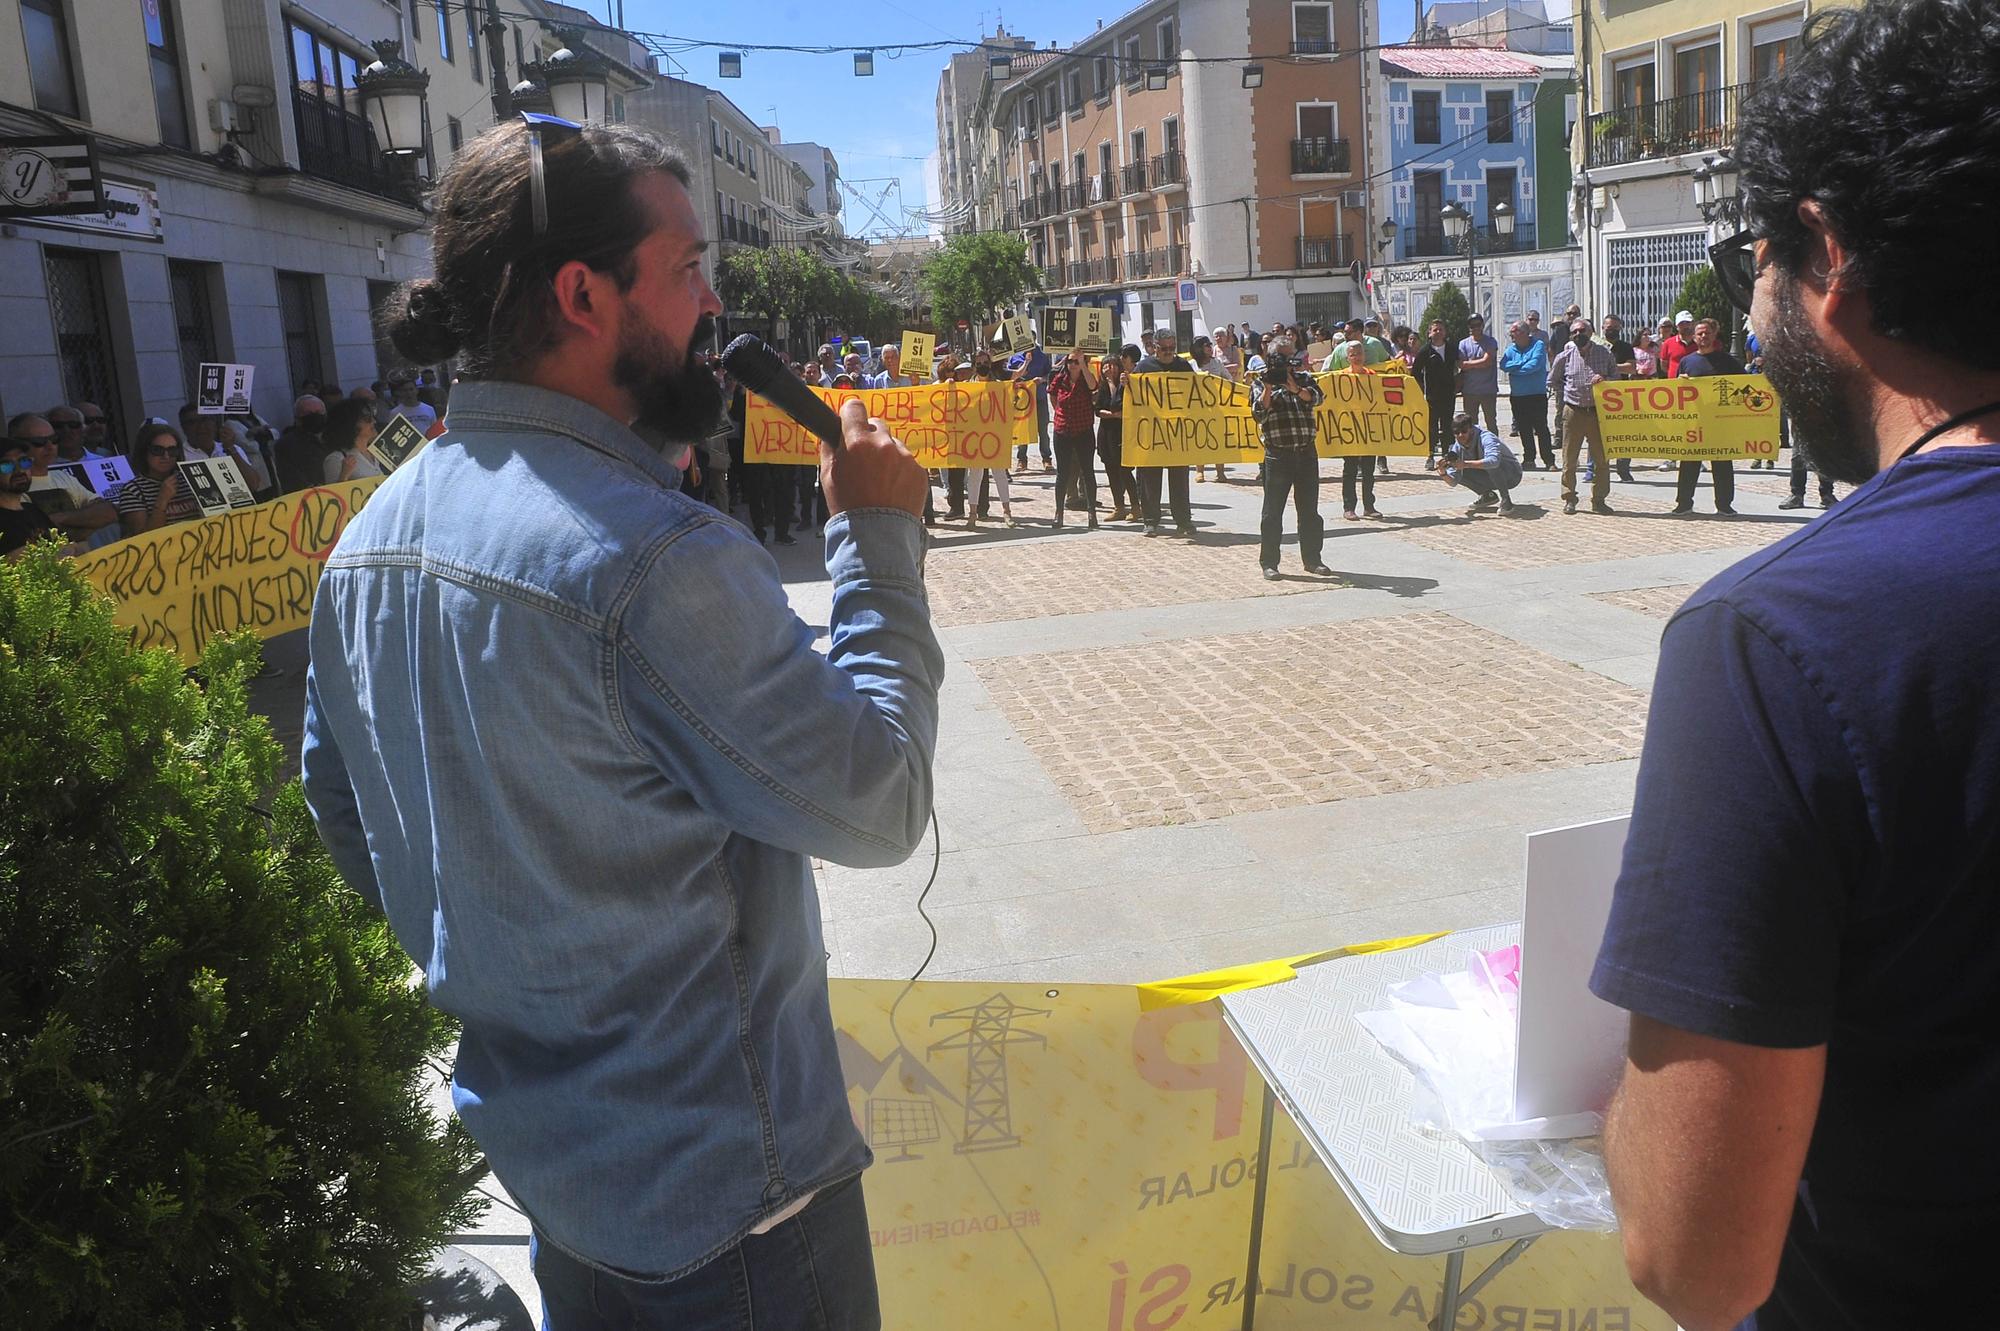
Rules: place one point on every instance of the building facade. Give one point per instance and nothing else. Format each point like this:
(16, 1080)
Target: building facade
(1663, 86)
(1212, 140)
(959, 152)
(749, 194)
(251, 214)
(1477, 128)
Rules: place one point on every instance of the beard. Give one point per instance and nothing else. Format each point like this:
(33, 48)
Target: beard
(1814, 390)
(679, 400)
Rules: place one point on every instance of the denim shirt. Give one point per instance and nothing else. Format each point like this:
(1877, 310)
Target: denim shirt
(563, 727)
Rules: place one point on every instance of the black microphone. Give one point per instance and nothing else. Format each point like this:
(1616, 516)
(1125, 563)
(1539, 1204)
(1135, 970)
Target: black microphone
(758, 369)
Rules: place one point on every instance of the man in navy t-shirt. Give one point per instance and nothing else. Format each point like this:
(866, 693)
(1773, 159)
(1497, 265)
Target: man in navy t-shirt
(1806, 929)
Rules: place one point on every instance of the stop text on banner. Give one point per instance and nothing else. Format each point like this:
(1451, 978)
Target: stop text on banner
(946, 425)
(249, 568)
(1710, 418)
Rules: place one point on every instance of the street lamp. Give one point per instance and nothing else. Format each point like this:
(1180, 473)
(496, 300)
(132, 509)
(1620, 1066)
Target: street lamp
(1253, 76)
(1716, 182)
(578, 79)
(392, 97)
(528, 95)
(1465, 238)
(1388, 230)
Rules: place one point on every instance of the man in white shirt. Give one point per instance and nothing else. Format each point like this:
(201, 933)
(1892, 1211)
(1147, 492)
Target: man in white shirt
(419, 413)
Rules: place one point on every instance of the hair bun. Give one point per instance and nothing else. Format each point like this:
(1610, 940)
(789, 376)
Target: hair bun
(419, 321)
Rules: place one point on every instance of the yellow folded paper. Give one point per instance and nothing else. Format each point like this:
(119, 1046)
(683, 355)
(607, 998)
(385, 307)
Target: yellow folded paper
(1182, 989)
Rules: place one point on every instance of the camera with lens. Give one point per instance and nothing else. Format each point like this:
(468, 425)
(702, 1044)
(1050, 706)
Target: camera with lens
(1277, 369)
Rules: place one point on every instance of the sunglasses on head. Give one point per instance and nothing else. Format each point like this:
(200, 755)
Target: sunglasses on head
(1735, 264)
(557, 129)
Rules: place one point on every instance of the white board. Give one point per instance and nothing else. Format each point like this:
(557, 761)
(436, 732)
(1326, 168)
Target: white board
(1571, 1048)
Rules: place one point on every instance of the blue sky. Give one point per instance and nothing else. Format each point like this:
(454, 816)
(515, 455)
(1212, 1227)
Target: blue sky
(881, 128)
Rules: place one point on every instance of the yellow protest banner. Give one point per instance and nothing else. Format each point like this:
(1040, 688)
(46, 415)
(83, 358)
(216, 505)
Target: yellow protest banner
(1021, 412)
(252, 568)
(950, 425)
(1050, 1155)
(919, 350)
(1187, 420)
(1370, 415)
(1720, 416)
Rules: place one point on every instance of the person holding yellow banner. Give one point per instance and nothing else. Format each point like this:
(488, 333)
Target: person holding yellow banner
(1708, 357)
(1356, 468)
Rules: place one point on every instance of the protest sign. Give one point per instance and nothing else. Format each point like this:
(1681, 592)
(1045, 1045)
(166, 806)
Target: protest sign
(1018, 333)
(1021, 412)
(1093, 331)
(1720, 416)
(1187, 420)
(248, 568)
(1056, 1155)
(1059, 327)
(1371, 415)
(919, 350)
(100, 476)
(946, 425)
(224, 389)
(396, 442)
(216, 484)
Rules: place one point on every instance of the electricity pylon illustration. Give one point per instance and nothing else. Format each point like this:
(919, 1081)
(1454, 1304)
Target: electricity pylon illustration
(988, 1031)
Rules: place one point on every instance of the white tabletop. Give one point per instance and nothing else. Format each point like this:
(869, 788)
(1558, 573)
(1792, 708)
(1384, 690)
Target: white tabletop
(1419, 1191)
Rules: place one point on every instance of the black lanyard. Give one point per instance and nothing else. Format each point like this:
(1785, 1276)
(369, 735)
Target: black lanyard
(1951, 423)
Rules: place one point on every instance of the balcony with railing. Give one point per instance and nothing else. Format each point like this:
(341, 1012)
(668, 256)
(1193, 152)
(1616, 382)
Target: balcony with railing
(1693, 122)
(1133, 177)
(1031, 207)
(1136, 268)
(1077, 272)
(1104, 187)
(1169, 170)
(1313, 46)
(1426, 240)
(1052, 276)
(1322, 252)
(1320, 157)
(1076, 197)
(340, 147)
(1052, 201)
(1176, 257)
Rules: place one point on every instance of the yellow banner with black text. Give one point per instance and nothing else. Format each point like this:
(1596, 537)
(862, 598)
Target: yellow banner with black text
(254, 568)
(1710, 417)
(1184, 420)
(1056, 1155)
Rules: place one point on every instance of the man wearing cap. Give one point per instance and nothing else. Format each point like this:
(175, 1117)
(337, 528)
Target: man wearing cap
(1581, 365)
(1161, 360)
(1479, 372)
(1676, 348)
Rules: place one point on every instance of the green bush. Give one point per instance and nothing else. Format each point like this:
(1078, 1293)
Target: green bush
(1449, 304)
(1701, 295)
(213, 1057)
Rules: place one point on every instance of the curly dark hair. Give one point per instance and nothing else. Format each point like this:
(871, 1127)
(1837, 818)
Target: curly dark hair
(490, 299)
(1888, 120)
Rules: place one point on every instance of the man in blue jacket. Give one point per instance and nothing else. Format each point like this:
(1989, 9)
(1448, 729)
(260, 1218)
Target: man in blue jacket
(563, 727)
(1525, 362)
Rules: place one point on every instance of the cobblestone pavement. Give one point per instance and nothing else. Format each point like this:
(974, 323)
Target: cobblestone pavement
(1166, 733)
(1538, 535)
(1659, 602)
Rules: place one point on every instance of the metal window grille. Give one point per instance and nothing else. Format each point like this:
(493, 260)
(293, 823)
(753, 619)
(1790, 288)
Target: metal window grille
(301, 327)
(1321, 307)
(1644, 273)
(194, 322)
(83, 333)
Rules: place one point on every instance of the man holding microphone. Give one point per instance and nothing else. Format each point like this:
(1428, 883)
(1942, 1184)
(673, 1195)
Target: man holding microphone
(563, 727)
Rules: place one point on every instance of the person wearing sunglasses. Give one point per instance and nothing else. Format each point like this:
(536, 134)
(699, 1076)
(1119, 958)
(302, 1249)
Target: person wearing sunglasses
(68, 502)
(21, 522)
(563, 726)
(1805, 930)
(155, 497)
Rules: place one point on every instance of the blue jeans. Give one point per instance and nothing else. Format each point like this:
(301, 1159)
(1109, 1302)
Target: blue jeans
(815, 1272)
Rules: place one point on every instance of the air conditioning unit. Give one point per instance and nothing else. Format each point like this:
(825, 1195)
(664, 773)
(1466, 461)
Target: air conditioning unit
(1354, 198)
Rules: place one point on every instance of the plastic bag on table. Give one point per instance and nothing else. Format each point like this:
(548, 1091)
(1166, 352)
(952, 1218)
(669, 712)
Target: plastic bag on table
(1456, 1032)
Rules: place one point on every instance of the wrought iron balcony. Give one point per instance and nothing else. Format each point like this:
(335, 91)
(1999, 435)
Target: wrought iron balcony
(340, 147)
(1694, 122)
(1322, 252)
(1169, 170)
(1134, 178)
(1320, 157)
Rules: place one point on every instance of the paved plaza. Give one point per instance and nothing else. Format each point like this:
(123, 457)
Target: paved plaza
(1153, 762)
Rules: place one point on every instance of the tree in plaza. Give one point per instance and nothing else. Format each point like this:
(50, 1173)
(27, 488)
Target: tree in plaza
(972, 276)
(213, 1062)
(1448, 305)
(1701, 295)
